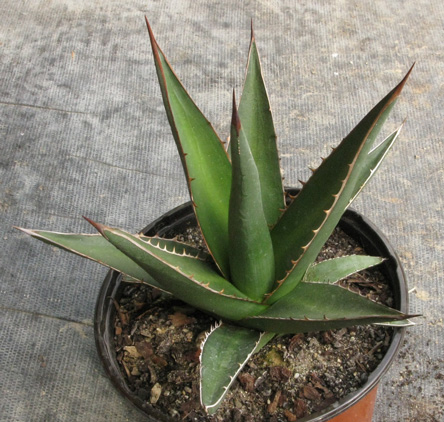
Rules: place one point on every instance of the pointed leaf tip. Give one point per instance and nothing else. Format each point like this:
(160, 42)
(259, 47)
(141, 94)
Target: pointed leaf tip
(400, 86)
(153, 41)
(252, 30)
(99, 227)
(235, 121)
(27, 231)
(148, 25)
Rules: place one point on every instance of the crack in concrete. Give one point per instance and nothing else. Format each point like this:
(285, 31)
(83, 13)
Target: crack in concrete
(118, 167)
(59, 110)
(86, 323)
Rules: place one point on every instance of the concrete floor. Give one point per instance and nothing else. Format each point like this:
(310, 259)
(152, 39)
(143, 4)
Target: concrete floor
(84, 133)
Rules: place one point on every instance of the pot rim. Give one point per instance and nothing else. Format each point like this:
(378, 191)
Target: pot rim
(352, 222)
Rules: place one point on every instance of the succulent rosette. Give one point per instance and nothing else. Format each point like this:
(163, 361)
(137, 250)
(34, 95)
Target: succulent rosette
(260, 275)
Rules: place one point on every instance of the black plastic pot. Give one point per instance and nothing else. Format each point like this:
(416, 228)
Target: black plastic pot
(173, 222)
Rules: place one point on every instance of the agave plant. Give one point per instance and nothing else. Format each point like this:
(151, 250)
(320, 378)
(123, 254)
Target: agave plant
(260, 275)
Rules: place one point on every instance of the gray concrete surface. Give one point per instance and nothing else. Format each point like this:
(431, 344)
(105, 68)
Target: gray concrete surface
(83, 132)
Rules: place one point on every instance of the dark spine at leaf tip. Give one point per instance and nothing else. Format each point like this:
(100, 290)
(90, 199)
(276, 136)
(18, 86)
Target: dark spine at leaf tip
(235, 121)
(400, 86)
(99, 227)
(154, 45)
(150, 32)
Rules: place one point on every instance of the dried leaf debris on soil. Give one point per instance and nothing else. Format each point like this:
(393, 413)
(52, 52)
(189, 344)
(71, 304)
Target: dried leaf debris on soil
(158, 345)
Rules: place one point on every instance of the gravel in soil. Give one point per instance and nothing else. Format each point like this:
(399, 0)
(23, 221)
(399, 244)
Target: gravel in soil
(158, 339)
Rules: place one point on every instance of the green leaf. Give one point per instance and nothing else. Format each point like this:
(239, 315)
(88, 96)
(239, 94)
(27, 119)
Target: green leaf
(373, 160)
(310, 219)
(225, 351)
(257, 124)
(316, 307)
(96, 248)
(251, 250)
(191, 279)
(204, 159)
(332, 270)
